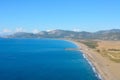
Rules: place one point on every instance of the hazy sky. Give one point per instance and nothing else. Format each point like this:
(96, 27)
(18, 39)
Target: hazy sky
(35, 15)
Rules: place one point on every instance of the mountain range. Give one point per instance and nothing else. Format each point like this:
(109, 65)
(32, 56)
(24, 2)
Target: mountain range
(113, 34)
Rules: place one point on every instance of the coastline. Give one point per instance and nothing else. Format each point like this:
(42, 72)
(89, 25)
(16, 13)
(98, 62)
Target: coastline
(93, 67)
(97, 61)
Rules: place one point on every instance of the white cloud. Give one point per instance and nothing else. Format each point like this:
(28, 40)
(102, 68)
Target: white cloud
(76, 29)
(6, 30)
(19, 29)
(35, 31)
(50, 30)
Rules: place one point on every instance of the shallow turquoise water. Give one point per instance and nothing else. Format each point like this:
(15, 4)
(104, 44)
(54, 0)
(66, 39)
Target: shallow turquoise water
(42, 59)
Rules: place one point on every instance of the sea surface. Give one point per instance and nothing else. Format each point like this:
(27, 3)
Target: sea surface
(42, 59)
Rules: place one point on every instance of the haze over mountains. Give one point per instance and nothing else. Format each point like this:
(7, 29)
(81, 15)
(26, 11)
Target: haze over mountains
(113, 34)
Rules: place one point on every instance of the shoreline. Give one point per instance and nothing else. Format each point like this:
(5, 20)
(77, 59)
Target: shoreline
(97, 61)
(87, 57)
(94, 68)
(90, 61)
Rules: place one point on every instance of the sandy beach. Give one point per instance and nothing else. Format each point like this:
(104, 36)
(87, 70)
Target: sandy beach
(107, 69)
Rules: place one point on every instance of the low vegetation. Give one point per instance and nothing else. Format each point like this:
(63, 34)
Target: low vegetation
(113, 49)
(114, 56)
(90, 44)
(110, 49)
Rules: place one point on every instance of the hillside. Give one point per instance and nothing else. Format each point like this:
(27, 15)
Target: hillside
(113, 34)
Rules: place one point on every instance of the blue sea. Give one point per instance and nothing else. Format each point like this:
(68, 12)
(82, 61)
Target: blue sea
(42, 59)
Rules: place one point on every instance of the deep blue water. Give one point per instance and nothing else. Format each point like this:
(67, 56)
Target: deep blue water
(42, 59)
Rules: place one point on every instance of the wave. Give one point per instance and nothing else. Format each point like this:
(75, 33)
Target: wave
(93, 68)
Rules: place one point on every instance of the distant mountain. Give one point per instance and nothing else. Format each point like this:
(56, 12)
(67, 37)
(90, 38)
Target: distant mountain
(113, 34)
(22, 35)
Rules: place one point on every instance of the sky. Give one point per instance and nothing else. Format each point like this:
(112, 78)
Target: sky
(77, 15)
